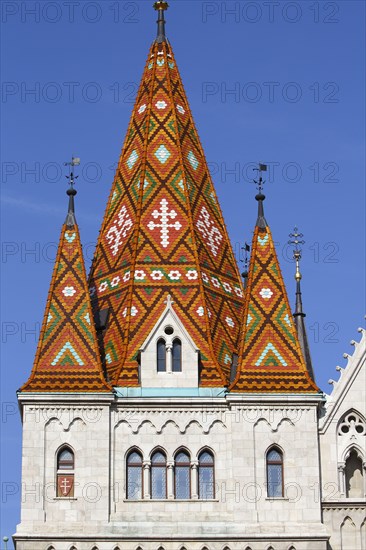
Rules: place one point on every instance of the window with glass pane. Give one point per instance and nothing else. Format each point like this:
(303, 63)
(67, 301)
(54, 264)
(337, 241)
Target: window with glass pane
(177, 355)
(65, 459)
(158, 475)
(65, 473)
(274, 473)
(161, 355)
(206, 476)
(134, 476)
(182, 476)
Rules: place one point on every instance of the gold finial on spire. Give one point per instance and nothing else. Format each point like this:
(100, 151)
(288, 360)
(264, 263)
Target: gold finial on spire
(296, 236)
(160, 5)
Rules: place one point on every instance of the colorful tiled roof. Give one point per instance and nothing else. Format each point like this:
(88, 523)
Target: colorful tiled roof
(270, 359)
(67, 358)
(163, 233)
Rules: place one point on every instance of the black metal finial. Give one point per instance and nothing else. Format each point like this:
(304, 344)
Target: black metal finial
(246, 249)
(299, 315)
(161, 7)
(71, 192)
(260, 197)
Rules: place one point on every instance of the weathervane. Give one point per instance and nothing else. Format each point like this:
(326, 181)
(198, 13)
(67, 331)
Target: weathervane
(259, 183)
(297, 239)
(71, 192)
(74, 162)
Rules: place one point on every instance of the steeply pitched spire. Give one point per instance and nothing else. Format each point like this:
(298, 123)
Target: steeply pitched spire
(163, 233)
(299, 315)
(67, 358)
(270, 358)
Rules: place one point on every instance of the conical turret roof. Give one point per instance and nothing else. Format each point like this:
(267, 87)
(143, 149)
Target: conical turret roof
(163, 233)
(67, 358)
(270, 359)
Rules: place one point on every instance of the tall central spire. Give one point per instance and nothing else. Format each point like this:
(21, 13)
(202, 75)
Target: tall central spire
(163, 233)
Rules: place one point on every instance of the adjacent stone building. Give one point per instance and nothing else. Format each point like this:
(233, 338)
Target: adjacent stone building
(171, 406)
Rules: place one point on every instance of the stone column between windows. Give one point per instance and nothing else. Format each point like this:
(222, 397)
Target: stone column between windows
(170, 480)
(146, 479)
(341, 478)
(169, 360)
(194, 480)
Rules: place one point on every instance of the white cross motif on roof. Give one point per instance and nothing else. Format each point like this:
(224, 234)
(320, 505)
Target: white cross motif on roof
(164, 225)
(118, 232)
(209, 231)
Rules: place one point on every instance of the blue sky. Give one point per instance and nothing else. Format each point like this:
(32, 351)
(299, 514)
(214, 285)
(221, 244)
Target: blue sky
(279, 82)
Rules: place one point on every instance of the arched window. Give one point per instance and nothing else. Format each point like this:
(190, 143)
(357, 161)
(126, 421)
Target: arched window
(182, 475)
(161, 355)
(206, 479)
(274, 473)
(158, 475)
(354, 476)
(65, 473)
(134, 476)
(177, 355)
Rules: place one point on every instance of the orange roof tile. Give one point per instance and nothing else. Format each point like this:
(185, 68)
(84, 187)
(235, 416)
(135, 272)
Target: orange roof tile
(163, 233)
(67, 358)
(270, 359)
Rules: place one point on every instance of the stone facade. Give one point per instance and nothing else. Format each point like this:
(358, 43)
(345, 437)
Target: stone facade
(342, 434)
(238, 429)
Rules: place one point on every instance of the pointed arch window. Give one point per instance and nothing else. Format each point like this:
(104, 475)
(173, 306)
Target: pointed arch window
(65, 472)
(182, 475)
(274, 473)
(206, 478)
(134, 475)
(177, 355)
(161, 355)
(354, 476)
(158, 475)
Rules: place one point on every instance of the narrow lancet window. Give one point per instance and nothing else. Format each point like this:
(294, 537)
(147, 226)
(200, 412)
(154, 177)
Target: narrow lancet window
(161, 355)
(158, 476)
(65, 473)
(182, 476)
(134, 476)
(177, 355)
(274, 473)
(206, 481)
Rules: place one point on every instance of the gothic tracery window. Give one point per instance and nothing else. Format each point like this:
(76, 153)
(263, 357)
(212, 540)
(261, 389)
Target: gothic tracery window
(65, 472)
(134, 475)
(206, 481)
(274, 462)
(351, 422)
